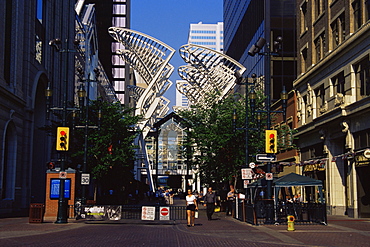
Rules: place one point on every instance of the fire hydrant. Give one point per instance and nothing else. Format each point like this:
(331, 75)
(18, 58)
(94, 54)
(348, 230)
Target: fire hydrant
(291, 223)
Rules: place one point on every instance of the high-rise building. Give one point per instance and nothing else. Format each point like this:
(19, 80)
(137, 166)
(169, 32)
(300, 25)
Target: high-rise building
(208, 35)
(272, 68)
(113, 13)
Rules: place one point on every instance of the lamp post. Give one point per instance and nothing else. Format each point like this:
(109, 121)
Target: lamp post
(255, 49)
(62, 203)
(84, 95)
(251, 95)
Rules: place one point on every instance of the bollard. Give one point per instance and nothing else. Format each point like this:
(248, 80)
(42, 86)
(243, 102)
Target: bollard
(291, 223)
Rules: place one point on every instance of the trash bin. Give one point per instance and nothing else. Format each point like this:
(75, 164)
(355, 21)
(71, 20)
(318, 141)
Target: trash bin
(37, 211)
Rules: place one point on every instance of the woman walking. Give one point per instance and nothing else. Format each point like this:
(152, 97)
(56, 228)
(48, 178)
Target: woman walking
(191, 206)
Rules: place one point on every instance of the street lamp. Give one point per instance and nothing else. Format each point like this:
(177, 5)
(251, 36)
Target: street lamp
(57, 44)
(85, 95)
(62, 206)
(255, 49)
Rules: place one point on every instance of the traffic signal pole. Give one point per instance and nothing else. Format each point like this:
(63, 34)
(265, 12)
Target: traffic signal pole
(62, 203)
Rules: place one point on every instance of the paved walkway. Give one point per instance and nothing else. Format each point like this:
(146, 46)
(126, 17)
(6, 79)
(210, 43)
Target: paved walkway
(222, 231)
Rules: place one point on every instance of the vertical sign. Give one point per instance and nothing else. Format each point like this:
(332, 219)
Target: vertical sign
(147, 213)
(247, 173)
(85, 178)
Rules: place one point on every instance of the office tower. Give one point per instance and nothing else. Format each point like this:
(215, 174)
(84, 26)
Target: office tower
(113, 13)
(208, 35)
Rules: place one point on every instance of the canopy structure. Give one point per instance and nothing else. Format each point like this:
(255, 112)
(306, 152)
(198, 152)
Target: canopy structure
(289, 180)
(149, 59)
(294, 179)
(207, 72)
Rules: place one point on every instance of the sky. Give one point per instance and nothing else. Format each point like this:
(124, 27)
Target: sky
(169, 21)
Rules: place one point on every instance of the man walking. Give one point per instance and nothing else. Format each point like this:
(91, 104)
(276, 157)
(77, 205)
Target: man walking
(210, 202)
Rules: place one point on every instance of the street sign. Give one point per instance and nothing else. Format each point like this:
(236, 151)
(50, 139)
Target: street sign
(165, 213)
(62, 175)
(85, 178)
(247, 173)
(246, 182)
(147, 213)
(265, 157)
(269, 176)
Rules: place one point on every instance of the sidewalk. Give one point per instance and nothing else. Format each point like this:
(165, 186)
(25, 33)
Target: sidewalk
(340, 231)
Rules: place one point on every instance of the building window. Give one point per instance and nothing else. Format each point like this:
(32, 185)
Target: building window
(338, 82)
(357, 14)
(362, 139)
(304, 17)
(338, 31)
(320, 97)
(319, 7)
(320, 47)
(304, 58)
(362, 77)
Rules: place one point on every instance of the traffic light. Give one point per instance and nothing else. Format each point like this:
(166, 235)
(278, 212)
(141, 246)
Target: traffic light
(271, 141)
(50, 165)
(62, 139)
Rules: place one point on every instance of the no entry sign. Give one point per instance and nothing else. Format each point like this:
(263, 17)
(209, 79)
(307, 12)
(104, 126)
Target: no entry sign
(164, 213)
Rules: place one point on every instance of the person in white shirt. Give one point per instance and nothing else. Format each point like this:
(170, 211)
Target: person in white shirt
(191, 207)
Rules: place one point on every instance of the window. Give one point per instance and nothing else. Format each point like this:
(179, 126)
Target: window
(304, 62)
(320, 47)
(362, 77)
(362, 139)
(320, 96)
(338, 83)
(357, 14)
(338, 31)
(319, 7)
(304, 17)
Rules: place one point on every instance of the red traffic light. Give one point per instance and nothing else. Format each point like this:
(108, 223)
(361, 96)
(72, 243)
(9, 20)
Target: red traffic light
(272, 136)
(63, 133)
(50, 165)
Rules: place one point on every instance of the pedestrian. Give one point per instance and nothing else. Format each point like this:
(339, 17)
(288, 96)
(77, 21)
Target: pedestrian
(230, 200)
(210, 202)
(191, 207)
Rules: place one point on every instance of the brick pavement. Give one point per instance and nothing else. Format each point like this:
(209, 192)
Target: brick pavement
(223, 231)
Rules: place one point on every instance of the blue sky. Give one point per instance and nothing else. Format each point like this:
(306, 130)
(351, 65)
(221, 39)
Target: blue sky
(169, 21)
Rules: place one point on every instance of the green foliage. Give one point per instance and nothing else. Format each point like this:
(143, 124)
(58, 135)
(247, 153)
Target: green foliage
(214, 145)
(110, 147)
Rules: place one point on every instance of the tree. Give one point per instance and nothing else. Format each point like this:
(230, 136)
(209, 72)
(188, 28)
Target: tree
(214, 147)
(111, 151)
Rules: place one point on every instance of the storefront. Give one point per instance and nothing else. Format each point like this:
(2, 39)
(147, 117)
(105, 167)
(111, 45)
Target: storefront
(362, 166)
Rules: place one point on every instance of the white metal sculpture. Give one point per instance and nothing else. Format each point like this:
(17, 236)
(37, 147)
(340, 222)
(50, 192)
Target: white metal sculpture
(149, 58)
(207, 71)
